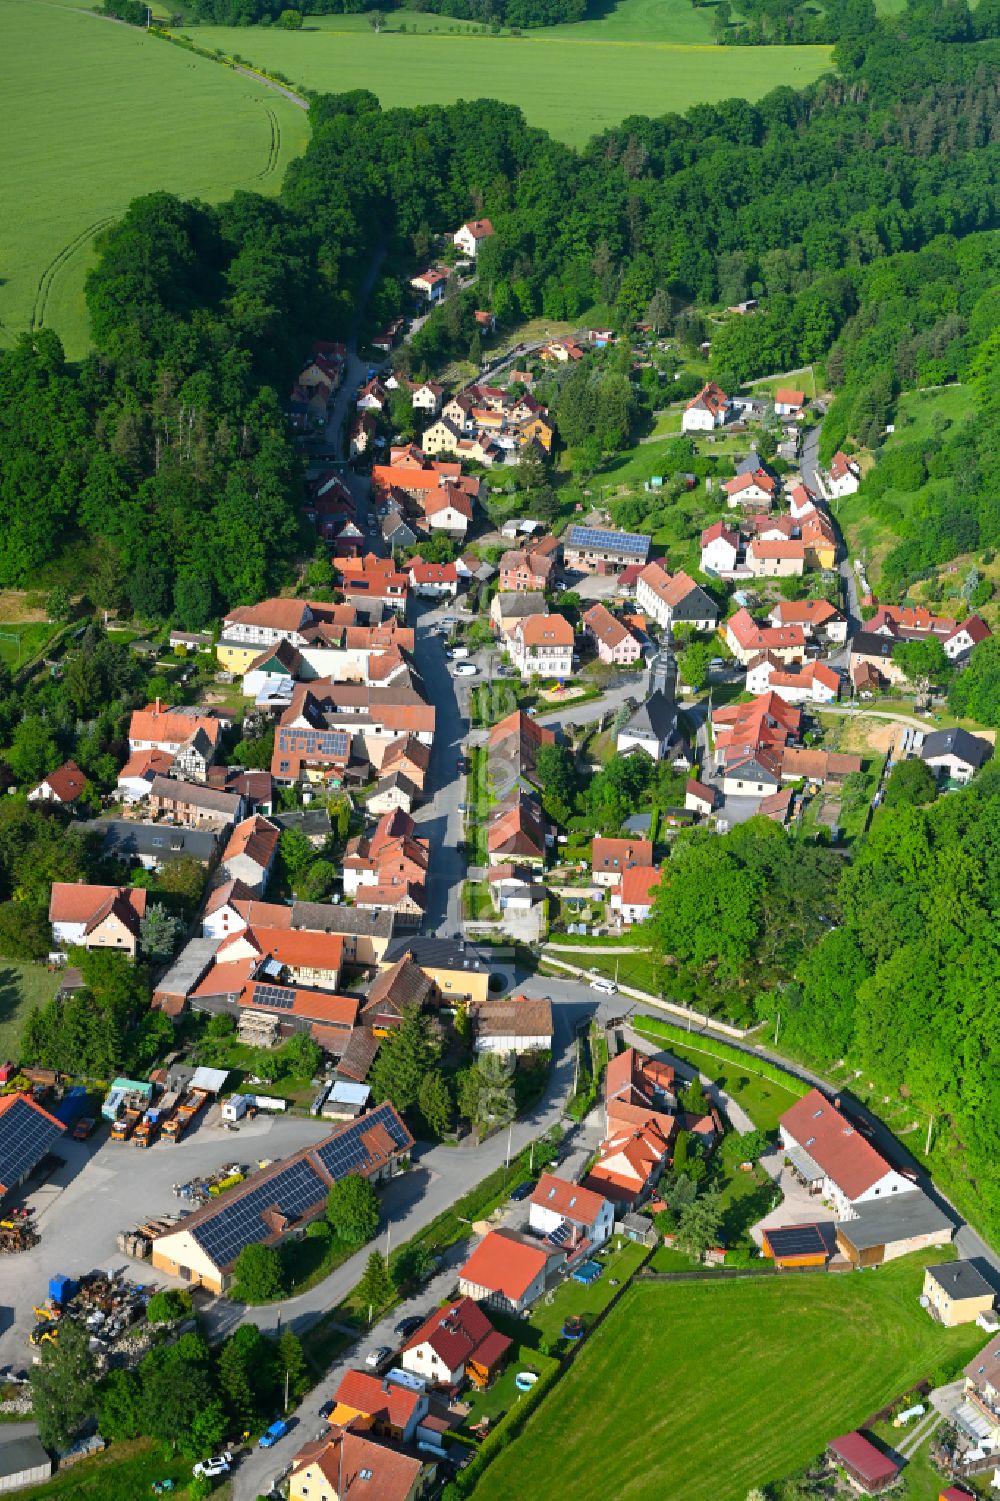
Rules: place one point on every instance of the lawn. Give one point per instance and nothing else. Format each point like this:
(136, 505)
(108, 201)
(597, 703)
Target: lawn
(20, 640)
(97, 113)
(22, 986)
(124, 1470)
(573, 81)
(730, 1384)
(918, 412)
(764, 1100)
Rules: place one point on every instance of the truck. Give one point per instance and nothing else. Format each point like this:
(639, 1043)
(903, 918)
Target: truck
(146, 1131)
(126, 1124)
(189, 1106)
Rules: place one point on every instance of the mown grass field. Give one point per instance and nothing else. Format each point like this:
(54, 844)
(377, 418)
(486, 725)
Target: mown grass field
(729, 1384)
(96, 113)
(23, 985)
(573, 81)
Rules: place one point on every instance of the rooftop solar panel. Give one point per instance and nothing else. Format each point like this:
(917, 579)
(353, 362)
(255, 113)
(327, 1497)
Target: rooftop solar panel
(796, 1240)
(238, 1223)
(278, 996)
(25, 1137)
(591, 536)
(346, 1152)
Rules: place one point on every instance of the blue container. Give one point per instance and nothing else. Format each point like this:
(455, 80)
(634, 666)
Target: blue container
(71, 1106)
(61, 1289)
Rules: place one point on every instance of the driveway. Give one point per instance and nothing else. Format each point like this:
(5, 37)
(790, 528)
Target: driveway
(797, 1207)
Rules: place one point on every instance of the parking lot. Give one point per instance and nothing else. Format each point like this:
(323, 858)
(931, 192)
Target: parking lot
(108, 1186)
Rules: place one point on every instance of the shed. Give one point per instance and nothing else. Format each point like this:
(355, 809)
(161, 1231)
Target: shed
(640, 1229)
(868, 1469)
(345, 1100)
(23, 1462)
(883, 1229)
(212, 1080)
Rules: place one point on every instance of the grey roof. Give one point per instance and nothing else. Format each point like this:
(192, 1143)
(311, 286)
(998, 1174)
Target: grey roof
(961, 1279)
(196, 795)
(313, 822)
(523, 602)
(696, 604)
(638, 823)
(871, 644)
(321, 917)
(900, 1217)
(20, 1454)
(959, 743)
(123, 836)
(655, 719)
(438, 953)
(189, 966)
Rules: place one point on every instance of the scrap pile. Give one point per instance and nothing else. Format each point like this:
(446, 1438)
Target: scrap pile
(139, 1242)
(17, 1233)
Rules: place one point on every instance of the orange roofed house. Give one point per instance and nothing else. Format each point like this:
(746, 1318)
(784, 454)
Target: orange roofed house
(96, 917)
(610, 857)
(250, 854)
(64, 785)
(508, 1271)
(385, 1407)
(348, 1464)
(542, 646)
(455, 1342)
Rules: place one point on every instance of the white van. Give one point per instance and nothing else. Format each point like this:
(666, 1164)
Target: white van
(606, 987)
(459, 653)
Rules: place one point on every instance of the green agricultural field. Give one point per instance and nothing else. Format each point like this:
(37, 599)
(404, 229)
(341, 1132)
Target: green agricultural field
(96, 113)
(730, 1384)
(574, 81)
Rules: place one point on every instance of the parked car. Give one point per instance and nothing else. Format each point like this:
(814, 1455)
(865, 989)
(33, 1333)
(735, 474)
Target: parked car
(220, 1465)
(375, 1357)
(521, 1191)
(277, 1430)
(409, 1326)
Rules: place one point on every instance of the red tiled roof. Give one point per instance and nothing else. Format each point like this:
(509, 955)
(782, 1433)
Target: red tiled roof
(386, 1401)
(273, 614)
(66, 782)
(545, 630)
(461, 1332)
(505, 1264)
(255, 838)
(352, 1464)
(569, 1199)
(609, 856)
(77, 902)
(638, 884)
(846, 1157)
(786, 397)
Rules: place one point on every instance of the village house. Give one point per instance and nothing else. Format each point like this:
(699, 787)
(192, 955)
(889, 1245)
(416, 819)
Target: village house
(156, 728)
(334, 1467)
(251, 852)
(508, 1271)
(706, 411)
(965, 636)
(430, 284)
(674, 599)
(507, 609)
(471, 235)
(96, 917)
(982, 1397)
(443, 436)
(843, 477)
(614, 642)
(588, 549)
(699, 797)
(385, 1407)
(812, 683)
(427, 397)
(448, 509)
(954, 755)
(456, 1343)
(957, 1293)
(635, 893)
(542, 646)
(833, 1158)
(629, 1164)
(373, 398)
(789, 403)
(372, 580)
(576, 1219)
(776, 559)
(746, 639)
(139, 773)
(524, 568)
(410, 757)
(249, 629)
(510, 1027)
(753, 491)
(194, 806)
(433, 580)
(517, 834)
(817, 617)
(63, 786)
(868, 649)
(394, 791)
(514, 744)
(610, 857)
(720, 548)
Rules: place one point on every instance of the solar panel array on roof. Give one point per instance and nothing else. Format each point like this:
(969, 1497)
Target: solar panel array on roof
(346, 1152)
(796, 1240)
(237, 1224)
(25, 1137)
(592, 536)
(278, 996)
(314, 742)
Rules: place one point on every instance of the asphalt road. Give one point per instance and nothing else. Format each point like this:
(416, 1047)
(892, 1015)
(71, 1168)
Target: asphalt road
(439, 818)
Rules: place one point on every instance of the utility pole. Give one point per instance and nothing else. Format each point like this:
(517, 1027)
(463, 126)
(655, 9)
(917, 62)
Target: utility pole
(930, 1128)
(777, 1028)
(286, 1388)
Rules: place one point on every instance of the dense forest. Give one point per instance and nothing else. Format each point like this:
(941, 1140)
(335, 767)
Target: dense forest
(517, 14)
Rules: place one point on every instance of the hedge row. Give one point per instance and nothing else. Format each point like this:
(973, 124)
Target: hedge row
(650, 1026)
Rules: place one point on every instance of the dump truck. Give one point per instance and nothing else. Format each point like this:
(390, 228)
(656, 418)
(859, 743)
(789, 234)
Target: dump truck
(146, 1131)
(192, 1102)
(126, 1124)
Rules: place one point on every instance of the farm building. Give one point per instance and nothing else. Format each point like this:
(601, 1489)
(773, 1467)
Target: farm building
(27, 1133)
(868, 1470)
(881, 1231)
(23, 1462)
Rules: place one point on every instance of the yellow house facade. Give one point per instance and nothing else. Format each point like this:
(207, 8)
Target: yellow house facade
(957, 1293)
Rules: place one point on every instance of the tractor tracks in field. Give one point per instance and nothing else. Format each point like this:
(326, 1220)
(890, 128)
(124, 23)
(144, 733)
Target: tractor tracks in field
(58, 264)
(274, 146)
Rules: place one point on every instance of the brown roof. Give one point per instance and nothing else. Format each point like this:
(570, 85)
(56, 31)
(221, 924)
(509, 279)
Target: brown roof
(407, 748)
(66, 782)
(611, 856)
(273, 614)
(403, 984)
(518, 831)
(522, 1017)
(255, 838)
(460, 1332)
(161, 725)
(359, 1054)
